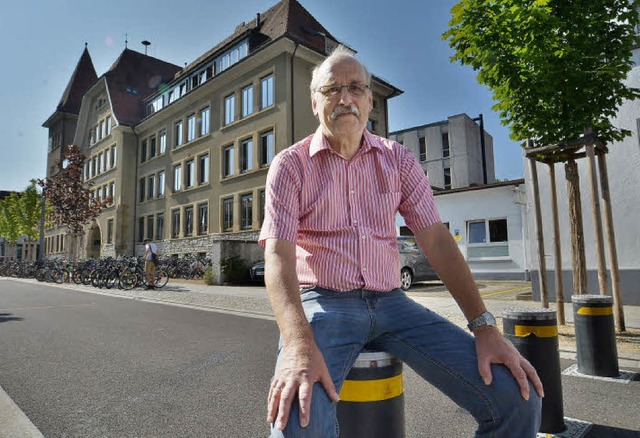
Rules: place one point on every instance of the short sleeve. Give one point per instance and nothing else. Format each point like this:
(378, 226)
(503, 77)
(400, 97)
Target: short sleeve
(282, 201)
(417, 205)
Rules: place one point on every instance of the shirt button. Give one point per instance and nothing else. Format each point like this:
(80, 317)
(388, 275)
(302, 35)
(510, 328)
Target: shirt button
(355, 222)
(364, 237)
(352, 192)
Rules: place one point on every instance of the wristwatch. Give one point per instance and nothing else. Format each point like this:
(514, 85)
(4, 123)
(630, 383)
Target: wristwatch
(485, 319)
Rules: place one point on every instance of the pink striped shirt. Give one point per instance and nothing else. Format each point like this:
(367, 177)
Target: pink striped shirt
(341, 214)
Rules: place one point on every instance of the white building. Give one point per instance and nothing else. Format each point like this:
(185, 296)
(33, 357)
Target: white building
(489, 224)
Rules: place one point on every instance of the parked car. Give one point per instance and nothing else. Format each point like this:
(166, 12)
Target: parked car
(414, 266)
(256, 271)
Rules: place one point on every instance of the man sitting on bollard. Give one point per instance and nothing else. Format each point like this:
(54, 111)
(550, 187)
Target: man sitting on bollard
(332, 274)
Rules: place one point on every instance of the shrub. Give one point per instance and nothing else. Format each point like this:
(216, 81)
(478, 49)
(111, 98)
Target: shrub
(234, 269)
(208, 276)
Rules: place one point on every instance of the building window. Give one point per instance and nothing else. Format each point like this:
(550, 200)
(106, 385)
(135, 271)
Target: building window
(422, 142)
(113, 157)
(188, 221)
(160, 226)
(152, 187)
(150, 227)
(177, 178)
(203, 169)
(112, 190)
(152, 147)
(267, 148)
(205, 115)
(163, 142)
(103, 128)
(227, 214)
(141, 192)
(229, 109)
(175, 223)
(140, 229)
(161, 183)
(109, 124)
(371, 125)
(203, 219)
(191, 127)
(262, 206)
(267, 92)
(487, 238)
(246, 207)
(107, 159)
(143, 151)
(110, 231)
(246, 155)
(445, 144)
(447, 178)
(228, 162)
(189, 174)
(247, 101)
(179, 135)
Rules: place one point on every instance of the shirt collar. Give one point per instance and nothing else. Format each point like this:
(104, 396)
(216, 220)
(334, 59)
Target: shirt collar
(319, 142)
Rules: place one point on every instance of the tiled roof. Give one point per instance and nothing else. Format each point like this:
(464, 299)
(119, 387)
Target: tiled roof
(83, 77)
(131, 78)
(287, 17)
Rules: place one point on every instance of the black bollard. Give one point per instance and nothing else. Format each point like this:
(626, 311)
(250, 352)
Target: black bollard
(372, 398)
(534, 333)
(596, 347)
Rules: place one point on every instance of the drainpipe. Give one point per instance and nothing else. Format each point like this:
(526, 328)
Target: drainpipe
(135, 193)
(292, 115)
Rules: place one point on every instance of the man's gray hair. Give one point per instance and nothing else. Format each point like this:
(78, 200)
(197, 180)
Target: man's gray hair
(340, 53)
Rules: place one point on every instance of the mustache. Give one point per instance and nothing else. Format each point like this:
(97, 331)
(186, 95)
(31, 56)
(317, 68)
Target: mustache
(345, 109)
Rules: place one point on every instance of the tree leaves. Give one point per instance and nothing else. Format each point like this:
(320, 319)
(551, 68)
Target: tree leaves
(68, 196)
(20, 214)
(554, 67)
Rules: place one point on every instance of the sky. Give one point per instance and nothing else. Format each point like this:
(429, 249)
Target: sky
(41, 42)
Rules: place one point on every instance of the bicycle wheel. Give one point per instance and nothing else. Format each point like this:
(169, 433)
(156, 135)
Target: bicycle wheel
(161, 278)
(128, 279)
(112, 279)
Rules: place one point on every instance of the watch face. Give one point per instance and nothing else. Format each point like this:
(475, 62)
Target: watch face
(489, 318)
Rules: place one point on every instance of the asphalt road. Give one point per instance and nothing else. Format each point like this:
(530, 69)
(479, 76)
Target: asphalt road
(84, 365)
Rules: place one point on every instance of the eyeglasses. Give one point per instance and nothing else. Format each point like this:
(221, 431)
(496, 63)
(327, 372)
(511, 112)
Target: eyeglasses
(335, 90)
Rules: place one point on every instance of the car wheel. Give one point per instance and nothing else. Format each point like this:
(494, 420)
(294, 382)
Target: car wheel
(406, 278)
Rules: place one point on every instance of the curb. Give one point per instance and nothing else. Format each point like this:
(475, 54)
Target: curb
(14, 422)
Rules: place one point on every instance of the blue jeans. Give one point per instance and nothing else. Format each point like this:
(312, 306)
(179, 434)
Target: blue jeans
(343, 323)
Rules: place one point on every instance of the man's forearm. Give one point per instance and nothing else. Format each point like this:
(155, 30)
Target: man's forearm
(443, 254)
(284, 293)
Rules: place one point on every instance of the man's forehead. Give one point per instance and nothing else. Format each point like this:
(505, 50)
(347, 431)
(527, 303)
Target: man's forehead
(341, 68)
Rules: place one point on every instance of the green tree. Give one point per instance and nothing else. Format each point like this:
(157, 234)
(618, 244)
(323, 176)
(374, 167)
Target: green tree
(20, 214)
(555, 67)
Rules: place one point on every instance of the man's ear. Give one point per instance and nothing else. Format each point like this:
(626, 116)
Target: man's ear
(314, 104)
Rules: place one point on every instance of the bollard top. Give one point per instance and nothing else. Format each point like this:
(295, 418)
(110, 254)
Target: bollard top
(374, 359)
(524, 313)
(594, 299)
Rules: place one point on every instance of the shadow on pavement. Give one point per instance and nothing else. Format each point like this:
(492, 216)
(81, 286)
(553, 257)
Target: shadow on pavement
(6, 317)
(598, 431)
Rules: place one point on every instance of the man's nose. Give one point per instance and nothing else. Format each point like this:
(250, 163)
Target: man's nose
(345, 96)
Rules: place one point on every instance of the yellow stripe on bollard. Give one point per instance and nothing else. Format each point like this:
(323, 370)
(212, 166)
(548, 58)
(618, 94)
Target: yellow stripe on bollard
(372, 390)
(595, 311)
(541, 331)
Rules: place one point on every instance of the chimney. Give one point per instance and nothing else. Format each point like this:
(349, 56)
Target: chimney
(258, 19)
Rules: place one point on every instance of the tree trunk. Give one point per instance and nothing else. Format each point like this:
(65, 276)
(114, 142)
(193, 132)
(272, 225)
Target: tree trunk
(611, 242)
(542, 268)
(597, 220)
(557, 245)
(577, 234)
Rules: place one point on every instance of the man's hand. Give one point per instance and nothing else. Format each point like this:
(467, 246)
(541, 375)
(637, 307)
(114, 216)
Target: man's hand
(492, 347)
(300, 367)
